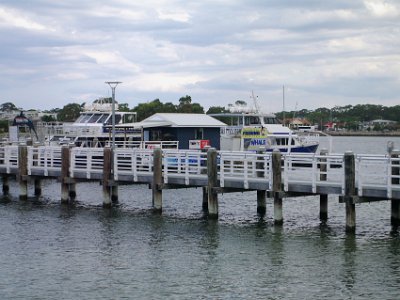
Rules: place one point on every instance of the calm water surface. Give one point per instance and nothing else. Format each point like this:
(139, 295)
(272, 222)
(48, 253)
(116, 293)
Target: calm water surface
(51, 251)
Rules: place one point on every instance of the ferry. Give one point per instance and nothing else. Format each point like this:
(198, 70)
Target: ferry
(247, 129)
(93, 128)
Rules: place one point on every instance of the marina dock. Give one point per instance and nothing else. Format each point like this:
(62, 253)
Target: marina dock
(354, 178)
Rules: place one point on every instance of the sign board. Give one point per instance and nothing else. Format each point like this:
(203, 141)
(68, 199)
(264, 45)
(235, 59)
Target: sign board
(254, 137)
(13, 133)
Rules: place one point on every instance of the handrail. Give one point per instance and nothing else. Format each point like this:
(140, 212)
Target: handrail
(235, 169)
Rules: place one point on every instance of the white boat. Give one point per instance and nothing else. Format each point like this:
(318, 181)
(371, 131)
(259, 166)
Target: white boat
(93, 128)
(249, 130)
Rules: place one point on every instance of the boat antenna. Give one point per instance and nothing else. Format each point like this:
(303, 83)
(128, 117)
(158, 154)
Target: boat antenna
(257, 106)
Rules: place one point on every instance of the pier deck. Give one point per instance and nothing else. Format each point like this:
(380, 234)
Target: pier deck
(355, 178)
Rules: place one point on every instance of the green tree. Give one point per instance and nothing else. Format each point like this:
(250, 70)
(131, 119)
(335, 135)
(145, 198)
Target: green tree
(3, 126)
(217, 110)
(186, 106)
(8, 106)
(145, 110)
(169, 107)
(69, 112)
(123, 107)
(48, 118)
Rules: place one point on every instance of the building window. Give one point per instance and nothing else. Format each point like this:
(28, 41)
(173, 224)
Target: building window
(198, 134)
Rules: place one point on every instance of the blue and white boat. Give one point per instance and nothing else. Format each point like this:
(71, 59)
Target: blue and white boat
(249, 130)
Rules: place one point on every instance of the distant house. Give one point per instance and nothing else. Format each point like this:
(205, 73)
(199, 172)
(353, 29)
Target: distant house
(180, 127)
(296, 122)
(382, 122)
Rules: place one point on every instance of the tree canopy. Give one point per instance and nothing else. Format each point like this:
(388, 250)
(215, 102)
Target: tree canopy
(69, 112)
(8, 106)
(145, 110)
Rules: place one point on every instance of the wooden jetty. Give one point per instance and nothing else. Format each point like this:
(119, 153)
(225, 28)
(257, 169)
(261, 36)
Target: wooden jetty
(353, 178)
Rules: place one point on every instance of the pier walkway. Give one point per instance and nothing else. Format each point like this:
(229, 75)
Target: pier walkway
(355, 178)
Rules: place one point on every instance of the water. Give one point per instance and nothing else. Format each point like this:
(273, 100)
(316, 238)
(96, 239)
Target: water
(51, 251)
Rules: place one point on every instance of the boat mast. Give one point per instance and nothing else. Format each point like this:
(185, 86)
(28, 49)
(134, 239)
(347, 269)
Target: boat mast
(255, 103)
(283, 104)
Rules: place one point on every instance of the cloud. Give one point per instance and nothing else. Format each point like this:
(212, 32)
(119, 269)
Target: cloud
(12, 18)
(215, 51)
(379, 8)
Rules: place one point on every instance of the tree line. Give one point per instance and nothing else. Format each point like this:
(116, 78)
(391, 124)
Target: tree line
(349, 115)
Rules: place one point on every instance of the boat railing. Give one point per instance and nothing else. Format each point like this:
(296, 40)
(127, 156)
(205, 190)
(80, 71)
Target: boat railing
(231, 130)
(145, 144)
(307, 138)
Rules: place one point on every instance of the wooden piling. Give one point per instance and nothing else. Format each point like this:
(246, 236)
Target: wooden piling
(23, 171)
(107, 165)
(395, 204)
(261, 194)
(37, 180)
(323, 198)
(157, 179)
(204, 188)
(65, 165)
(212, 173)
(350, 191)
(277, 187)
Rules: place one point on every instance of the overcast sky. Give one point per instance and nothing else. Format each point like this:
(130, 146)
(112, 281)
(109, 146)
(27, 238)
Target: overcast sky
(325, 52)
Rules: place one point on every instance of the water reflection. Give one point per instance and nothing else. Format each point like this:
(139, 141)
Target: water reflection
(349, 267)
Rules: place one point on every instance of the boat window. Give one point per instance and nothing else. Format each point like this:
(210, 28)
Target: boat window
(117, 119)
(85, 118)
(94, 118)
(270, 120)
(103, 118)
(251, 120)
(80, 119)
(282, 141)
(129, 118)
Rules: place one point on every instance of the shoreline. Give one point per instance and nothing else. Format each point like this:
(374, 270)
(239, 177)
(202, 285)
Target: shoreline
(363, 133)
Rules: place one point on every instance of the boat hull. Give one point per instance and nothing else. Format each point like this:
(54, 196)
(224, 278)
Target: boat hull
(298, 149)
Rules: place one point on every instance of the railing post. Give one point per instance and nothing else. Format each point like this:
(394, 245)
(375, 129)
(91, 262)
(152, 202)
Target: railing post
(261, 194)
(72, 184)
(65, 167)
(350, 191)
(395, 204)
(323, 198)
(212, 172)
(23, 171)
(107, 165)
(277, 186)
(37, 181)
(157, 179)
(204, 188)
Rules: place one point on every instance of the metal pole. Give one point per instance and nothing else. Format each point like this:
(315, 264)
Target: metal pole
(113, 85)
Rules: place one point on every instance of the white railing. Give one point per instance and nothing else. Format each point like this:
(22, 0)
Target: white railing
(44, 159)
(372, 172)
(187, 164)
(86, 160)
(132, 162)
(306, 169)
(245, 166)
(9, 157)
